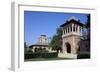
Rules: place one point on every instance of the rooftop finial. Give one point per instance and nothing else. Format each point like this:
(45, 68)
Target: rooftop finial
(72, 17)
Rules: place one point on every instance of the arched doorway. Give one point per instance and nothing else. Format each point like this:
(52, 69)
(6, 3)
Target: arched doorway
(68, 48)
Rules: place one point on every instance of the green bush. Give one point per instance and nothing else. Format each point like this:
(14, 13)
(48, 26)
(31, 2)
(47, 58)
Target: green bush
(49, 55)
(32, 55)
(40, 55)
(83, 56)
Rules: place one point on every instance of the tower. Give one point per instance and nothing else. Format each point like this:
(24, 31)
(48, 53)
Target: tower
(72, 32)
(43, 39)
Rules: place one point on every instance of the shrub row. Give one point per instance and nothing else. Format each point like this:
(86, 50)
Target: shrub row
(40, 55)
(83, 56)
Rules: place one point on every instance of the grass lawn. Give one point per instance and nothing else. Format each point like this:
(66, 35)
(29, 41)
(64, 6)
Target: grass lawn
(46, 59)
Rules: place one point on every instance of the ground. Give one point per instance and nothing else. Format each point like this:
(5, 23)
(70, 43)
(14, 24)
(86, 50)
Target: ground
(46, 59)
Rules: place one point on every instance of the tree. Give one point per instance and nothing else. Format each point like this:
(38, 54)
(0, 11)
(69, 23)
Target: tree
(88, 21)
(88, 26)
(25, 47)
(86, 29)
(56, 41)
(85, 42)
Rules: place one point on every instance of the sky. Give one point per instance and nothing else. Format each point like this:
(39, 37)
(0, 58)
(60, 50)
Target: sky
(45, 23)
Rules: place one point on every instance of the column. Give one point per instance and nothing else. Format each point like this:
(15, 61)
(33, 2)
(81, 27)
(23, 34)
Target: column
(78, 29)
(72, 27)
(63, 45)
(69, 29)
(75, 28)
(63, 32)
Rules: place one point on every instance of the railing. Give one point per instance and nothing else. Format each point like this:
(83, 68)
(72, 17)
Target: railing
(71, 33)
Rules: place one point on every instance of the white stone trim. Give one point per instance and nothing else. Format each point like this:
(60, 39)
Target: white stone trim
(72, 33)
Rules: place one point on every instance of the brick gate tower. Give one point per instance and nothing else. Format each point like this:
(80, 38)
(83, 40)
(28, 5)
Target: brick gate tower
(72, 32)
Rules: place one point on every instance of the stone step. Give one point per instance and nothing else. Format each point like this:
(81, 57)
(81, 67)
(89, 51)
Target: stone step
(67, 55)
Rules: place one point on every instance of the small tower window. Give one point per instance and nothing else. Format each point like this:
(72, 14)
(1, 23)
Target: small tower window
(68, 30)
(71, 28)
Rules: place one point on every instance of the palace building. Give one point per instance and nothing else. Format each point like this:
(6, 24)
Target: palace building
(42, 44)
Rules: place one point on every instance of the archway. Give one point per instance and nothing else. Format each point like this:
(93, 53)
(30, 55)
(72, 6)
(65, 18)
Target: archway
(68, 48)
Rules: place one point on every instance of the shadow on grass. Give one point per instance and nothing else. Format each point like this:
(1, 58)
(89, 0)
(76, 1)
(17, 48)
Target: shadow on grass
(47, 59)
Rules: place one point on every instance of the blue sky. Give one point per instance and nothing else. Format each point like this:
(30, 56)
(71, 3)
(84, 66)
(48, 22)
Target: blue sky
(37, 23)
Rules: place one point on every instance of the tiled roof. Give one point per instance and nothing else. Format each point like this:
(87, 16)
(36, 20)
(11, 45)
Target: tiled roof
(72, 21)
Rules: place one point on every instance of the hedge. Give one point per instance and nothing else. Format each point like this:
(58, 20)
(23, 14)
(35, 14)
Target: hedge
(49, 55)
(83, 56)
(40, 55)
